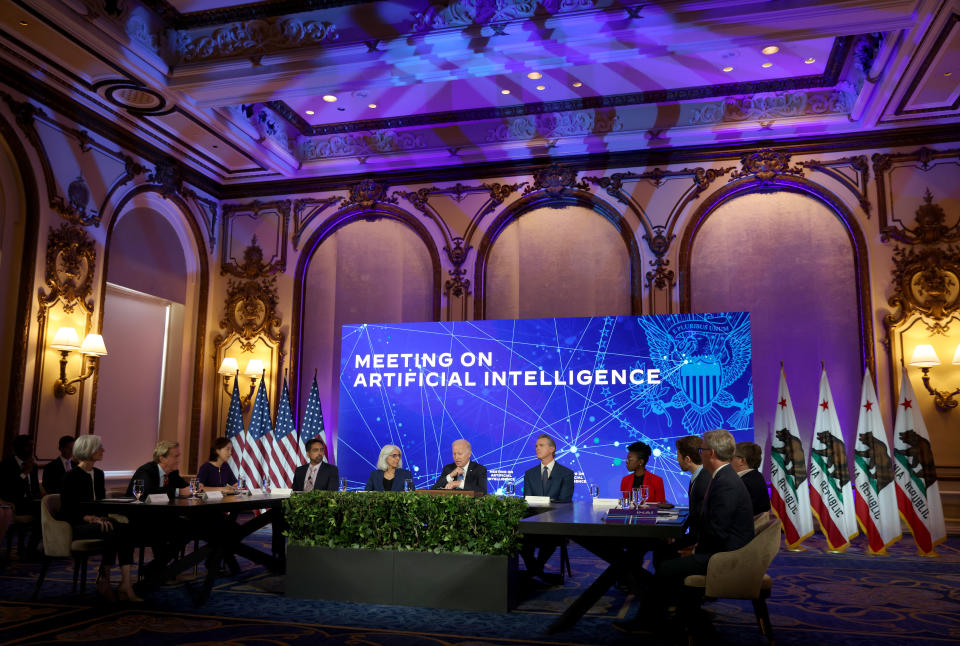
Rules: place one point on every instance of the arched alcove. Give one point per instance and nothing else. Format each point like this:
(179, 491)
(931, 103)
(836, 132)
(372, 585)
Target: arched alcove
(152, 314)
(358, 270)
(573, 256)
(787, 258)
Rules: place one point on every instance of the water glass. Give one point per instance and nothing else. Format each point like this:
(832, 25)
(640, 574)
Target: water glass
(138, 489)
(194, 487)
(241, 484)
(635, 497)
(644, 495)
(509, 488)
(343, 484)
(594, 490)
(626, 498)
(408, 485)
(265, 485)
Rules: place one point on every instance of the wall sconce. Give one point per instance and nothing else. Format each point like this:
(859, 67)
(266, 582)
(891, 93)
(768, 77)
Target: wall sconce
(925, 357)
(253, 370)
(66, 341)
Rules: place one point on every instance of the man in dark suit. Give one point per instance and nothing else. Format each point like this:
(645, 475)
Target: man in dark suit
(746, 462)
(688, 457)
(725, 524)
(57, 468)
(463, 473)
(549, 478)
(316, 474)
(162, 474)
(20, 486)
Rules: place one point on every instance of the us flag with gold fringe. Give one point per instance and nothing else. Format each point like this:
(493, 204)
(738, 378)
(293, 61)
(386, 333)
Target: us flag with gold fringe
(257, 456)
(312, 425)
(286, 450)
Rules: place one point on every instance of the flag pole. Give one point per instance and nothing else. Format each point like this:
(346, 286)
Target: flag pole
(243, 429)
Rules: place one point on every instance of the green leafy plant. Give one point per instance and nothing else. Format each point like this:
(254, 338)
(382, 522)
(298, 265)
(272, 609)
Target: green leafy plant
(401, 521)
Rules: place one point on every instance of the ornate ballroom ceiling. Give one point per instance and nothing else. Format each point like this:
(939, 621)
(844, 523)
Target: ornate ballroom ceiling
(245, 92)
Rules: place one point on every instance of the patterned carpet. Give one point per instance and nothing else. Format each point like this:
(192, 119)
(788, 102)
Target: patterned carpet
(844, 599)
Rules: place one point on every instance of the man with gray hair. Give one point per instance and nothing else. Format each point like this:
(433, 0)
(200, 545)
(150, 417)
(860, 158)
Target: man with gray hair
(162, 474)
(463, 473)
(726, 524)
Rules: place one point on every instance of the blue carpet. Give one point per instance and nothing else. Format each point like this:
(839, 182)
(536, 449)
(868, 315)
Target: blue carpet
(818, 598)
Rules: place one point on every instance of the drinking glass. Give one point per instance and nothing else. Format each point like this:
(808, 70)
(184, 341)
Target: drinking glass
(644, 495)
(509, 488)
(408, 484)
(194, 487)
(343, 484)
(138, 489)
(241, 484)
(635, 494)
(594, 490)
(265, 485)
(626, 498)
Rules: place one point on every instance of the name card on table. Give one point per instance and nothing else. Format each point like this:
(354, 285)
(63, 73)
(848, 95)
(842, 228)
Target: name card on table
(280, 491)
(214, 496)
(157, 498)
(605, 503)
(538, 501)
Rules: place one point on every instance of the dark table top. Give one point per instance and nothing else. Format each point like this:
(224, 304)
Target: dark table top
(581, 518)
(187, 505)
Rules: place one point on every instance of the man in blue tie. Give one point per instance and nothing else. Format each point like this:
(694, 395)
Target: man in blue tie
(554, 480)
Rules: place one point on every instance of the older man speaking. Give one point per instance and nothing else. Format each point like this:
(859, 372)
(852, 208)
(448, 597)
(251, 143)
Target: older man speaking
(463, 473)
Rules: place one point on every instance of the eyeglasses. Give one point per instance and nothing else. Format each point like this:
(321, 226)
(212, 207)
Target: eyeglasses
(394, 455)
(701, 449)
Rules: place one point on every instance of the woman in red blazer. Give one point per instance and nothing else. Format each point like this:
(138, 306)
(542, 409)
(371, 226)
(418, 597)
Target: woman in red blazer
(638, 454)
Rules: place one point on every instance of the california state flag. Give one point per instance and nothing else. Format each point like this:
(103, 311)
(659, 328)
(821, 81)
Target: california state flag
(918, 492)
(876, 502)
(789, 494)
(831, 492)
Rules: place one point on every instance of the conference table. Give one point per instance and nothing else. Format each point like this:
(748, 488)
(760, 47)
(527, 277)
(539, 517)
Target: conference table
(589, 527)
(183, 514)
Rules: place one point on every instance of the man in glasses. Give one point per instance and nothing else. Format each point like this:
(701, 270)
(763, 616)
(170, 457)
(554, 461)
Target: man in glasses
(726, 524)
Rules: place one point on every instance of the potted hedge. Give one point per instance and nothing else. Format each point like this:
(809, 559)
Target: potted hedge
(404, 549)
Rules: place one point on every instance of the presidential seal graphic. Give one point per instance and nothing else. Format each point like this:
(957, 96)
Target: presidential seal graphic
(701, 357)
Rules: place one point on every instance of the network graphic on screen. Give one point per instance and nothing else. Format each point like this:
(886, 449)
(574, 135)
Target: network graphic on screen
(594, 385)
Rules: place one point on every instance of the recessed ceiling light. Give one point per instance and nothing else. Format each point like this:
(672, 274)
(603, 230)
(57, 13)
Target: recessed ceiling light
(341, 109)
(504, 91)
(544, 87)
(767, 64)
(310, 112)
(576, 84)
(329, 98)
(728, 68)
(534, 76)
(371, 105)
(22, 23)
(948, 73)
(770, 49)
(810, 60)
(215, 146)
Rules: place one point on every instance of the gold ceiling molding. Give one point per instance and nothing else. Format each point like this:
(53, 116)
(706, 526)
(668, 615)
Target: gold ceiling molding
(250, 310)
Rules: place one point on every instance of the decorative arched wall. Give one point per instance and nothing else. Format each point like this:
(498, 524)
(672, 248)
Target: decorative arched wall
(184, 223)
(541, 200)
(323, 233)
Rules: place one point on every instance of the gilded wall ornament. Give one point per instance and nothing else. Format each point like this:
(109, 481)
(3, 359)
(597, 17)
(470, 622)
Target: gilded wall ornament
(926, 281)
(859, 163)
(250, 310)
(280, 209)
(368, 193)
(305, 210)
(555, 180)
(891, 224)
(929, 229)
(765, 165)
(68, 274)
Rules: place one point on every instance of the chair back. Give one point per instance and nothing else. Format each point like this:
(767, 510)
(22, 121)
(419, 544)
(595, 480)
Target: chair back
(57, 534)
(739, 574)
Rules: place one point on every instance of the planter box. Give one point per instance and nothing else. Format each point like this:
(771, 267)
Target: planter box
(445, 580)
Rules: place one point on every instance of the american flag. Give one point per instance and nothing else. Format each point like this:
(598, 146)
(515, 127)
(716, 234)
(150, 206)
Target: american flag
(234, 429)
(257, 455)
(312, 425)
(286, 451)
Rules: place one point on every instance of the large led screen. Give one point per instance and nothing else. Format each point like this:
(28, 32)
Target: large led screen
(593, 384)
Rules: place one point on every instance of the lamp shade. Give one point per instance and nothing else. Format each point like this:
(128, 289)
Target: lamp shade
(956, 356)
(66, 338)
(228, 366)
(924, 356)
(93, 345)
(254, 368)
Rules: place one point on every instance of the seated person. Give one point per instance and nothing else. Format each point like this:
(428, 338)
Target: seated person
(317, 474)
(216, 475)
(162, 474)
(462, 473)
(85, 484)
(638, 454)
(388, 476)
(57, 468)
(726, 524)
(20, 486)
(549, 478)
(688, 457)
(746, 462)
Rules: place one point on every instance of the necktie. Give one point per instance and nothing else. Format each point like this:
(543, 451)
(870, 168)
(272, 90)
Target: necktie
(544, 476)
(166, 480)
(309, 485)
(67, 466)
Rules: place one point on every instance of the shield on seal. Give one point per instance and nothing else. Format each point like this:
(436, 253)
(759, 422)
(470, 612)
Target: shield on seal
(700, 382)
